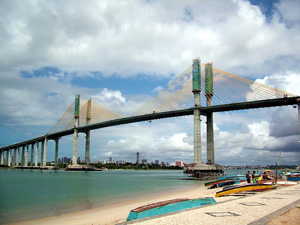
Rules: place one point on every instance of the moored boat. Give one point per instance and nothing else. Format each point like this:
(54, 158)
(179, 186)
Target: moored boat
(246, 187)
(279, 182)
(218, 183)
(168, 206)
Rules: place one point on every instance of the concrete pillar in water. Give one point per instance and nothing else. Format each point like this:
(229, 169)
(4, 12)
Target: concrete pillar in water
(209, 91)
(75, 146)
(36, 153)
(17, 156)
(42, 154)
(31, 155)
(26, 155)
(210, 139)
(56, 152)
(1, 157)
(197, 113)
(23, 156)
(45, 152)
(88, 133)
(8, 156)
(87, 147)
(13, 163)
(76, 117)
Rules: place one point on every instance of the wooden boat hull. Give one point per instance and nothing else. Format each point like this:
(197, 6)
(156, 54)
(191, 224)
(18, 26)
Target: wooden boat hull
(167, 207)
(293, 178)
(280, 182)
(217, 183)
(241, 188)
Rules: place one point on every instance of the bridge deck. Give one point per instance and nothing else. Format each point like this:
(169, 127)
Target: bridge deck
(161, 115)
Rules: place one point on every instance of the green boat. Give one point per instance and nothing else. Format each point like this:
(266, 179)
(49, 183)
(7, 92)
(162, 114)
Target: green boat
(173, 205)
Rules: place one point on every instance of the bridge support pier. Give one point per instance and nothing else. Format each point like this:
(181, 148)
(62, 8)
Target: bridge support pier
(56, 153)
(45, 152)
(42, 154)
(8, 157)
(210, 138)
(36, 153)
(87, 147)
(76, 125)
(197, 120)
(75, 147)
(210, 170)
(17, 156)
(197, 137)
(23, 156)
(26, 155)
(1, 157)
(31, 155)
(13, 164)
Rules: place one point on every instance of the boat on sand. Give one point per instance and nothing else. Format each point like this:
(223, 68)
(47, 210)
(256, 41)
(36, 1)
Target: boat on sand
(279, 182)
(244, 187)
(168, 206)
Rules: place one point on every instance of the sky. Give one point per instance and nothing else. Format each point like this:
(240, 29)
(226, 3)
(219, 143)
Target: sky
(121, 52)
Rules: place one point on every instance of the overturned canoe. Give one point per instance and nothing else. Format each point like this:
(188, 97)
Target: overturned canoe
(241, 188)
(173, 205)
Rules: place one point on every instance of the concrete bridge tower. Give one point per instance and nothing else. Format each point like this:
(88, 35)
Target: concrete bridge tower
(210, 170)
(209, 92)
(76, 125)
(88, 132)
(197, 120)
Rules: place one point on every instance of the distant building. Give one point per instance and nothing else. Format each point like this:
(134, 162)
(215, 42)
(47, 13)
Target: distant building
(137, 158)
(179, 163)
(163, 164)
(64, 160)
(157, 162)
(144, 161)
(121, 162)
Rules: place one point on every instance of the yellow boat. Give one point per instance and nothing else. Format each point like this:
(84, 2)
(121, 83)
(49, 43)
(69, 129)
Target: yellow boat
(247, 187)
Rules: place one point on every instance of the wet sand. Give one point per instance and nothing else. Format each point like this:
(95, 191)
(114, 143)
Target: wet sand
(118, 212)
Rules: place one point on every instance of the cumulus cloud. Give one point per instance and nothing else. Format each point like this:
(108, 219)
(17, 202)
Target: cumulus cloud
(165, 37)
(46, 45)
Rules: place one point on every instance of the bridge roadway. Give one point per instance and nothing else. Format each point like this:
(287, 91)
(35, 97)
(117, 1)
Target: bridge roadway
(161, 115)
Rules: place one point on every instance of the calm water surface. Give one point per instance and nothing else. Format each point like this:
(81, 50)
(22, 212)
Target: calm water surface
(30, 194)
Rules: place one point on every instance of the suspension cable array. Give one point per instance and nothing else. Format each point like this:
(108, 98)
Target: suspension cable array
(226, 88)
(98, 112)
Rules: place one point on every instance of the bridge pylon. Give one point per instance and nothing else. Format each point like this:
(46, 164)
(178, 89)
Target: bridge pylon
(76, 125)
(210, 170)
(75, 165)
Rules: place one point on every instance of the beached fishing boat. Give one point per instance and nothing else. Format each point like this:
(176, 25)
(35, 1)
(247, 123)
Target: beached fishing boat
(220, 183)
(245, 187)
(279, 182)
(233, 177)
(291, 176)
(163, 207)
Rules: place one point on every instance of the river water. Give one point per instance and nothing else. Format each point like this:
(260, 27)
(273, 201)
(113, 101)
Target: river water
(31, 194)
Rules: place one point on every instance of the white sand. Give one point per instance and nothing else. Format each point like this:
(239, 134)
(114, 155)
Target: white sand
(116, 213)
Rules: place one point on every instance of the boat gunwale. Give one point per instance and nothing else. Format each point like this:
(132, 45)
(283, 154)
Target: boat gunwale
(158, 204)
(246, 187)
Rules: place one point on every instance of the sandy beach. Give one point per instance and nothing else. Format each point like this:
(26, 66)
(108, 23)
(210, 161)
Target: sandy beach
(118, 212)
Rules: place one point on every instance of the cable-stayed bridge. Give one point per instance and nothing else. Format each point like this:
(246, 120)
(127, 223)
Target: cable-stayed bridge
(199, 90)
